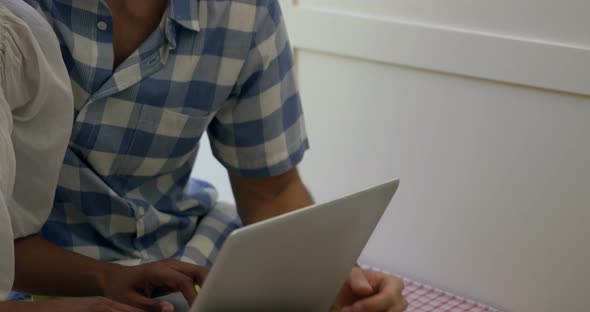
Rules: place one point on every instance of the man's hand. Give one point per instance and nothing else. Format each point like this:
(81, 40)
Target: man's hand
(94, 304)
(370, 291)
(137, 285)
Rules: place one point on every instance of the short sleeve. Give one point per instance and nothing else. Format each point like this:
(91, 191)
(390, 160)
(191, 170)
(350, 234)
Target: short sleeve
(7, 164)
(6, 250)
(260, 131)
(38, 93)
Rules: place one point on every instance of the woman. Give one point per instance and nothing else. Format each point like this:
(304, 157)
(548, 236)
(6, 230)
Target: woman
(36, 114)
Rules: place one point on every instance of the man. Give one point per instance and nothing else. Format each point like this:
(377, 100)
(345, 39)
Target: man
(35, 115)
(149, 77)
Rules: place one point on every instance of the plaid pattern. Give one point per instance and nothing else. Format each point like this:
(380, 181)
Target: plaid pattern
(125, 190)
(424, 298)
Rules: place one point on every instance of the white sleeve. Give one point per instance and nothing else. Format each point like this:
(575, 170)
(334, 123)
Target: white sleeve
(36, 112)
(7, 171)
(39, 93)
(6, 250)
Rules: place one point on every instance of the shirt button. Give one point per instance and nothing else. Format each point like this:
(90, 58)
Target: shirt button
(102, 25)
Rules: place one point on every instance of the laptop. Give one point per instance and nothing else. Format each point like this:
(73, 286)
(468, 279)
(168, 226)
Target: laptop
(297, 261)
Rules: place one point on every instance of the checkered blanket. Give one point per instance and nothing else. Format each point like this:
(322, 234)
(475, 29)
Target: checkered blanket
(424, 298)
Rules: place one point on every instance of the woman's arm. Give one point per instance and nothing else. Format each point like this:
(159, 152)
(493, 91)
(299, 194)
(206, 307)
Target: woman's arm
(95, 304)
(43, 268)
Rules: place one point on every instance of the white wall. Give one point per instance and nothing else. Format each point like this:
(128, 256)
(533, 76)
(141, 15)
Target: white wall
(563, 21)
(494, 198)
(209, 169)
(481, 109)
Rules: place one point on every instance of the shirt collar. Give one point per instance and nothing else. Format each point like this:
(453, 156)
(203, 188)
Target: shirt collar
(185, 13)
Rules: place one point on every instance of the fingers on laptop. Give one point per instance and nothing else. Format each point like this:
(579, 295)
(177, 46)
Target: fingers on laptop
(148, 304)
(359, 283)
(172, 280)
(388, 294)
(110, 305)
(198, 273)
(185, 285)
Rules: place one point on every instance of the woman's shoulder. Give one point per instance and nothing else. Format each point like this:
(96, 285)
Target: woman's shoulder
(21, 17)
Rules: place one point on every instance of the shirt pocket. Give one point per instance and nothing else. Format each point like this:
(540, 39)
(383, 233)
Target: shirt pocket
(163, 141)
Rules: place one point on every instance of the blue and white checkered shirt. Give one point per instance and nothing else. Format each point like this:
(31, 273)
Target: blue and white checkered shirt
(125, 190)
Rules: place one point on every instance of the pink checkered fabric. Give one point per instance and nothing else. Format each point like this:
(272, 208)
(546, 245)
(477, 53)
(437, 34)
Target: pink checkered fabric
(424, 298)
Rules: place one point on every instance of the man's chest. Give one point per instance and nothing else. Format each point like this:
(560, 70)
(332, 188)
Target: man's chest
(146, 116)
(189, 67)
(153, 125)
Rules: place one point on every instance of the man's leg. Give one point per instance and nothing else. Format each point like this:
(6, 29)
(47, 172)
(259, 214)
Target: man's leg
(213, 229)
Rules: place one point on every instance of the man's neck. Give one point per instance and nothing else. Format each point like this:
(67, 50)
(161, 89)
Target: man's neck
(134, 21)
(138, 11)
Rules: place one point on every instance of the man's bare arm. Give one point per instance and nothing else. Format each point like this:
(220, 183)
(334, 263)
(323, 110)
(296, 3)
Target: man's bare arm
(262, 198)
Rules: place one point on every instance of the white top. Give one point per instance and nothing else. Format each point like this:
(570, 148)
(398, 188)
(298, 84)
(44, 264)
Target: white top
(36, 113)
